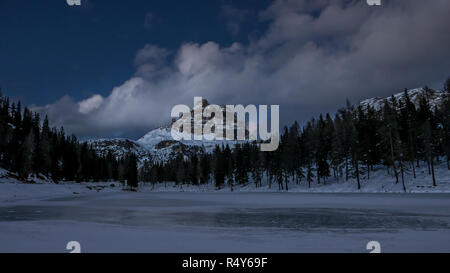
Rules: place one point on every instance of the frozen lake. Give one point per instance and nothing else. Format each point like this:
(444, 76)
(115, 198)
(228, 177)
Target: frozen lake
(228, 222)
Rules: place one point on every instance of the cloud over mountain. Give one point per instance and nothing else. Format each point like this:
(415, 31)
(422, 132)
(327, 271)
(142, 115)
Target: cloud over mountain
(312, 56)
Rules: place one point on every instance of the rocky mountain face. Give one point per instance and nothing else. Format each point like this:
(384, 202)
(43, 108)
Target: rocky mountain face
(159, 146)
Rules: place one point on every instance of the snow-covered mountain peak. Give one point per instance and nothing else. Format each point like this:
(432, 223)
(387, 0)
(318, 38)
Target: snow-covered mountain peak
(435, 98)
(158, 144)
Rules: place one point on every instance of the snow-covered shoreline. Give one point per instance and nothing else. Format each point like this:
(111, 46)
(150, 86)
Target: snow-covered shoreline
(13, 190)
(380, 182)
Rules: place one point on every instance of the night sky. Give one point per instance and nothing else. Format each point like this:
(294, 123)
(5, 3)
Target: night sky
(115, 68)
(49, 49)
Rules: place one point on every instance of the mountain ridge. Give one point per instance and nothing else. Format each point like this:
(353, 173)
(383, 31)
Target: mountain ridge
(158, 146)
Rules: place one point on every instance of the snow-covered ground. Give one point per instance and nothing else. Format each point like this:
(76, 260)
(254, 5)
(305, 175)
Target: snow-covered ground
(380, 182)
(44, 217)
(12, 190)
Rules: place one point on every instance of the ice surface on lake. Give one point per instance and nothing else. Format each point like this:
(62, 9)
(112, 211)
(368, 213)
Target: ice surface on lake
(227, 222)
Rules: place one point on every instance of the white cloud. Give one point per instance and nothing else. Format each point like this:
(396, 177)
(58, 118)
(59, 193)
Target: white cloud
(88, 105)
(313, 56)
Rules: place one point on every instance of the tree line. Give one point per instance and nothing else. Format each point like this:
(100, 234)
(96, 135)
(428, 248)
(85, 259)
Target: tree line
(400, 136)
(348, 145)
(30, 146)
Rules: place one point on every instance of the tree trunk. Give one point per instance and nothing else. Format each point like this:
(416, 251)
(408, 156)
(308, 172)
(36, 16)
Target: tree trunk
(269, 176)
(357, 175)
(403, 177)
(392, 157)
(346, 168)
(318, 176)
(286, 182)
(308, 176)
(432, 172)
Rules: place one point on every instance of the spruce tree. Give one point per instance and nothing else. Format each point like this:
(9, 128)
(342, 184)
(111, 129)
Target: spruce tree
(132, 173)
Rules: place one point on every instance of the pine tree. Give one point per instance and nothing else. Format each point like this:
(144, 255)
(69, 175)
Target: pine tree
(445, 122)
(355, 151)
(145, 171)
(219, 172)
(427, 136)
(26, 155)
(447, 85)
(132, 173)
(205, 168)
(408, 130)
(309, 148)
(389, 131)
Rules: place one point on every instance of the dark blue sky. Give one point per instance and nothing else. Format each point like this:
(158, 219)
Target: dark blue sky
(49, 49)
(307, 56)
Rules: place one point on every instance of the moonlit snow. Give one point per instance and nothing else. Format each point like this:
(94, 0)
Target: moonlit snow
(117, 221)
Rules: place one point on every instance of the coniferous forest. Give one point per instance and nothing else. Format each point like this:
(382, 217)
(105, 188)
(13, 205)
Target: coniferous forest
(28, 145)
(401, 137)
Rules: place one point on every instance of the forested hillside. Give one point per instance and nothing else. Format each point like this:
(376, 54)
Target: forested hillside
(30, 146)
(401, 136)
(398, 134)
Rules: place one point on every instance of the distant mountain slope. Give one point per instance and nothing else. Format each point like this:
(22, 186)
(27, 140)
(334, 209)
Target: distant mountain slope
(159, 146)
(160, 149)
(119, 147)
(435, 98)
